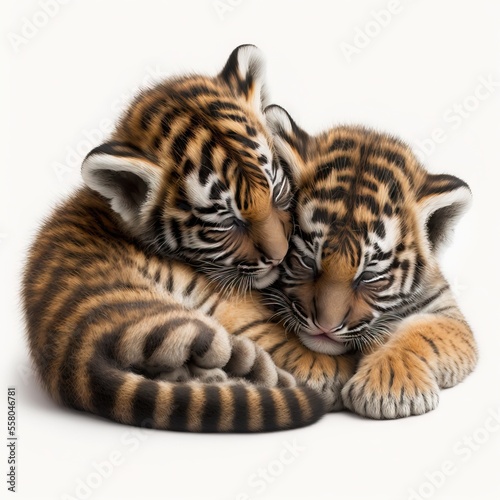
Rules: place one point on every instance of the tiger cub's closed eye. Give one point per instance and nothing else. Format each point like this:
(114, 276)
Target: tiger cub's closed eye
(308, 262)
(303, 262)
(368, 277)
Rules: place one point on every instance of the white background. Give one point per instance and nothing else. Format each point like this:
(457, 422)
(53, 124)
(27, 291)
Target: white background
(73, 73)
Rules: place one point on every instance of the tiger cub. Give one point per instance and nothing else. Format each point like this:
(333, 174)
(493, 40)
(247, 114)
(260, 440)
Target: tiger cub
(362, 273)
(117, 325)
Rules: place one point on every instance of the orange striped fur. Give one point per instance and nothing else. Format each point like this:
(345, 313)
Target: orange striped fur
(117, 324)
(362, 273)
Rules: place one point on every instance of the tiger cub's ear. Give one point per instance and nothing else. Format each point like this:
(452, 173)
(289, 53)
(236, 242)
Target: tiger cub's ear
(442, 200)
(123, 175)
(291, 142)
(245, 72)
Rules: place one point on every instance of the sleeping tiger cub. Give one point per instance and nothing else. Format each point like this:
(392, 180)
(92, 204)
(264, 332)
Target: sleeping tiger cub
(362, 273)
(116, 326)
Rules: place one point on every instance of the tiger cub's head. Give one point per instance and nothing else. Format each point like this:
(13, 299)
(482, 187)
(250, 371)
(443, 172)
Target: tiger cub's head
(368, 223)
(190, 171)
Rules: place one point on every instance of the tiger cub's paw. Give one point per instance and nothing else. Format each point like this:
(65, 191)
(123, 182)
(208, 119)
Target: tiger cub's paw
(197, 340)
(391, 386)
(326, 375)
(192, 372)
(181, 374)
(208, 375)
(330, 388)
(251, 362)
(286, 379)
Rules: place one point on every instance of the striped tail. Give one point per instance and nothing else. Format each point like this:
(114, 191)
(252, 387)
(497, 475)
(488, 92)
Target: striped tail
(232, 406)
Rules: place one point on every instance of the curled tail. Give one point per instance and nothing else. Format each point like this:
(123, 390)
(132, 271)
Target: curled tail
(231, 406)
(117, 369)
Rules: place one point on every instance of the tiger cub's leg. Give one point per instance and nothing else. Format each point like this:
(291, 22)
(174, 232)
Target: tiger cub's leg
(326, 374)
(403, 377)
(222, 354)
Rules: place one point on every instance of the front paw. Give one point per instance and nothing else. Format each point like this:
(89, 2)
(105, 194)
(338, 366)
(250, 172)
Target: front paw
(391, 386)
(250, 362)
(327, 375)
(329, 388)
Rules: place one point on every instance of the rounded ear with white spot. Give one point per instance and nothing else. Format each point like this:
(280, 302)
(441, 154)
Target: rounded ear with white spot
(442, 200)
(124, 175)
(291, 142)
(245, 72)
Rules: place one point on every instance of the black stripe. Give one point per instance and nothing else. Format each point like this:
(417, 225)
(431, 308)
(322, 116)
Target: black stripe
(251, 131)
(196, 90)
(391, 379)
(337, 193)
(342, 144)
(214, 307)
(379, 228)
(423, 304)
(181, 397)
(207, 166)
(431, 343)
(191, 286)
(296, 413)
(385, 176)
(238, 189)
(150, 112)
(217, 106)
(244, 141)
(169, 285)
(176, 231)
(216, 190)
(203, 300)
(212, 410)
(275, 347)
(369, 202)
(205, 237)
(322, 215)
(144, 403)
(203, 340)
(157, 277)
(181, 143)
(225, 170)
(153, 341)
(268, 409)
(233, 117)
(240, 399)
(324, 171)
(188, 167)
(166, 125)
(249, 326)
(393, 157)
(104, 382)
(348, 179)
